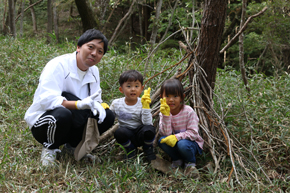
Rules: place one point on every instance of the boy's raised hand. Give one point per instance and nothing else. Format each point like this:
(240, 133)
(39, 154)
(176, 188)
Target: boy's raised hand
(164, 108)
(170, 140)
(146, 100)
(105, 105)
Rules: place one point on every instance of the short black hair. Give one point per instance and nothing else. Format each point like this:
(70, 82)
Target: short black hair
(130, 75)
(92, 34)
(173, 87)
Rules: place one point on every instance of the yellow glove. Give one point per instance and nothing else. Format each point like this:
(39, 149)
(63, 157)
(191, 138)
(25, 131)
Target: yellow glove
(164, 108)
(145, 100)
(170, 140)
(105, 105)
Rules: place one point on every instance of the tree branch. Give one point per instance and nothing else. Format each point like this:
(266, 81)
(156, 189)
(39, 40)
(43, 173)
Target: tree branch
(242, 29)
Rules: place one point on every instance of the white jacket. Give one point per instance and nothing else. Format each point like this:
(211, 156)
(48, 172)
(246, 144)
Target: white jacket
(60, 74)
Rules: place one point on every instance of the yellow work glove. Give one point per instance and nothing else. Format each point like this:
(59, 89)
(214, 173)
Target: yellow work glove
(105, 105)
(170, 140)
(164, 108)
(145, 100)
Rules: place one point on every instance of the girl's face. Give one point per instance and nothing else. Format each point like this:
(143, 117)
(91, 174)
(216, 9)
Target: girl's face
(174, 102)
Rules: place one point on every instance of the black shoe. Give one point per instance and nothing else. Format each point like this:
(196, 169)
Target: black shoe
(149, 153)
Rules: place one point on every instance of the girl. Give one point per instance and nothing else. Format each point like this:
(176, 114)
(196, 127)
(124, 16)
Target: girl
(178, 127)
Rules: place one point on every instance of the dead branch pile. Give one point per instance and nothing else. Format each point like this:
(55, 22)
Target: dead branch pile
(219, 140)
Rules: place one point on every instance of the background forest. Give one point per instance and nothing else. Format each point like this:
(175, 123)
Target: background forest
(248, 142)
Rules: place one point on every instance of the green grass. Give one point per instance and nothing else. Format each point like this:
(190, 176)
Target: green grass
(260, 121)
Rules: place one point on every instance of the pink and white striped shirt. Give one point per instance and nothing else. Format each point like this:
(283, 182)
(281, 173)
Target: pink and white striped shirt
(184, 125)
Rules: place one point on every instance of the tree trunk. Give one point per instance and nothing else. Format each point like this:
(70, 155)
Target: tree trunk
(55, 23)
(140, 22)
(22, 16)
(33, 17)
(12, 18)
(241, 47)
(87, 15)
(49, 21)
(125, 18)
(212, 26)
(154, 32)
(3, 20)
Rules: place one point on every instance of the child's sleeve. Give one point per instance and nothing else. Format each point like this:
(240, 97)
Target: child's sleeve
(113, 107)
(146, 117)
(165, 128)
(191, 132)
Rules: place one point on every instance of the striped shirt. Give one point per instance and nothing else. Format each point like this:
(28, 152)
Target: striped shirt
(184, 125)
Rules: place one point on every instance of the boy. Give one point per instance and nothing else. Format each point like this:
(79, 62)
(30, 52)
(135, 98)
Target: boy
(134, 116)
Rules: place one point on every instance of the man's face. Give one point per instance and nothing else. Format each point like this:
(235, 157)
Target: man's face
(89, 54)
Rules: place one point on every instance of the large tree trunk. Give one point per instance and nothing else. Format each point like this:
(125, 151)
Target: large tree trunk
(12, 18)
(212, 27)
(87, 15)
(49, 21)
(33, 17)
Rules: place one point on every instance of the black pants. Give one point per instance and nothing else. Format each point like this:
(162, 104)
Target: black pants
(136, 136)
(61, 125)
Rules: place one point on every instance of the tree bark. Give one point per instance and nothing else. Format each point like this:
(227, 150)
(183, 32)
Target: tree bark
(87, 15)
(140, 22)
(33, 17)
(49, 21)
(11, 18)
(212, 26)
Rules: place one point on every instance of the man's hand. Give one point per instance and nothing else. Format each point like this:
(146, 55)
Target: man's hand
(99, 109)
(164, 108)
(88, 103)
(105, 105)
(170, 140)
(146, 100)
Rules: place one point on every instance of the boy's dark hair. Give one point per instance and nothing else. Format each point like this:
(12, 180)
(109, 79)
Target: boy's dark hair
(90, 35)
(130, 75)
(174, 87)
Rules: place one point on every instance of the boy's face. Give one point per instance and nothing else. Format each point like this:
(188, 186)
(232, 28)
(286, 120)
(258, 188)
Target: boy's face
(132, 90)
(89, 54)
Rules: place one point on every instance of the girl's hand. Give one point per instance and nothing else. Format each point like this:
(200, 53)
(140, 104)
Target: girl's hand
(145, 100)
(170, 140)
(164, 108)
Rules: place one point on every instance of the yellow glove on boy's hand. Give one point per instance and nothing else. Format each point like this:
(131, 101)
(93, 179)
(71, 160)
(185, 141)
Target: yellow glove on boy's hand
(105, 105)
(164, 108)
(170, 140)
(146, 100)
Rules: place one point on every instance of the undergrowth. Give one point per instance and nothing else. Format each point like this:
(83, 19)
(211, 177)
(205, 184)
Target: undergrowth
(259, 120)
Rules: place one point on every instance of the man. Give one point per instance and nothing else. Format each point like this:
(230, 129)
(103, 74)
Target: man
(68, 94)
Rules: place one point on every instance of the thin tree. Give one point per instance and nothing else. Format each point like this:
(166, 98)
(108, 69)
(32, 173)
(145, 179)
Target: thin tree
(49, 21)
(55, 22)
(11, 18)
(154, 31)
(241, 47)
(22, 16)
(33, 17)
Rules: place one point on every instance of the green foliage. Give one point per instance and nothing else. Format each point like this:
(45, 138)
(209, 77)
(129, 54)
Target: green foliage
(263, 116)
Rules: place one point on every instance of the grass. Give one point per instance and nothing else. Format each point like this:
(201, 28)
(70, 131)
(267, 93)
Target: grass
(260, 121)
